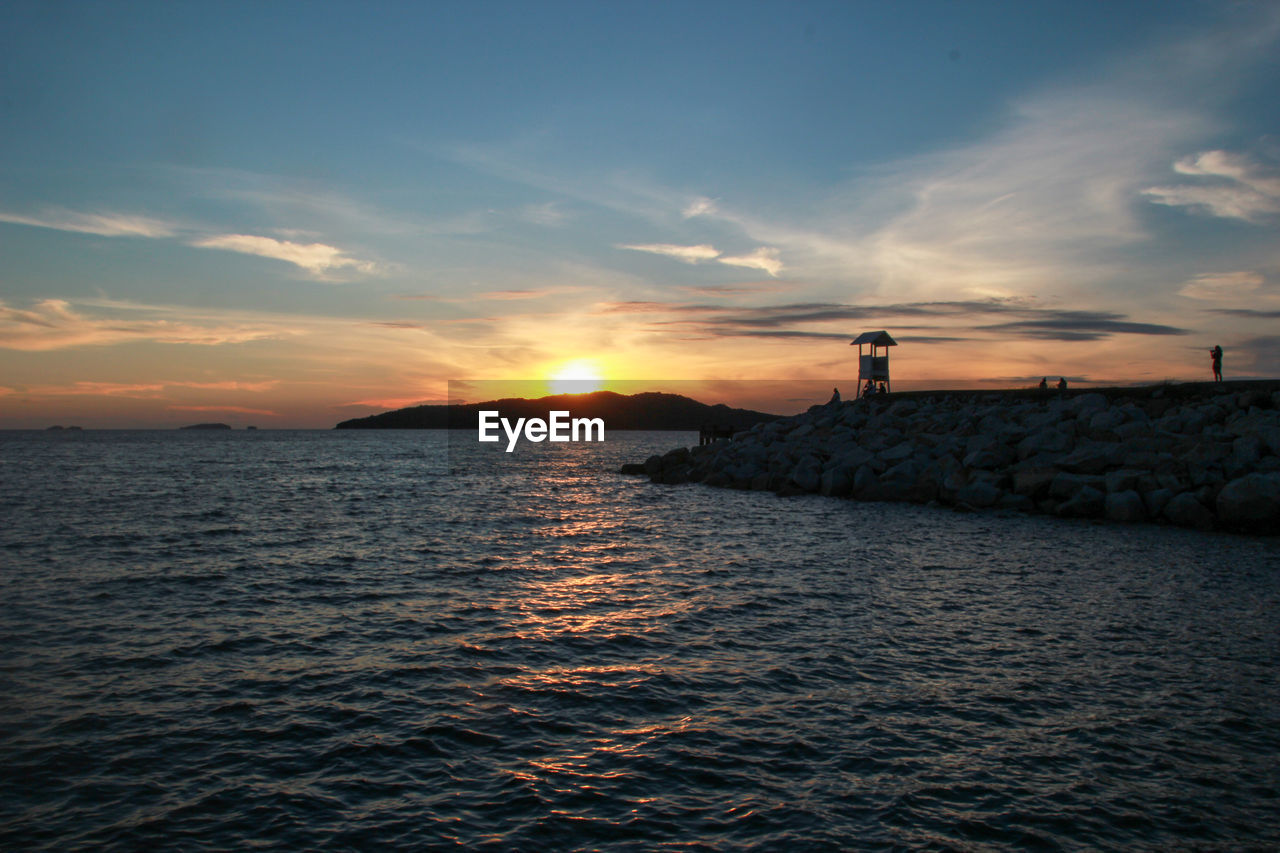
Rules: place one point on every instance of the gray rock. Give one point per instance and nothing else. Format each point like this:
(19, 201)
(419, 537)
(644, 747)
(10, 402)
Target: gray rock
(807, 474)
(990, 458)
(899, 452)
(1125, 506)
(1106, 420)
(979, 495)
(1156, 500)
(1123, 480)
(866, 485)
(836, 482)
(1251, 502)
(719, 479)
(1093, 458)
(1086, 404)
(1185, 511)
(853, 458)
(1065, 486)
(901, 482)
(1088, 502)
(1050, 440)
(1033, 482)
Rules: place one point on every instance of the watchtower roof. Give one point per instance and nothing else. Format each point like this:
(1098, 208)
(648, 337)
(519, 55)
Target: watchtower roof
(876, 339)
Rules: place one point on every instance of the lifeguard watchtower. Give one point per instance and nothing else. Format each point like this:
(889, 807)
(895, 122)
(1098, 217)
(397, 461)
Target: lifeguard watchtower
(873, 366)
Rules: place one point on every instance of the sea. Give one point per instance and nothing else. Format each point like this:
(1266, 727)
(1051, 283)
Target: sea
(406, 640)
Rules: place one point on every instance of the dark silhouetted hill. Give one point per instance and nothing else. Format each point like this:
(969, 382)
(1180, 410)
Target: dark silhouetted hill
(650, 410)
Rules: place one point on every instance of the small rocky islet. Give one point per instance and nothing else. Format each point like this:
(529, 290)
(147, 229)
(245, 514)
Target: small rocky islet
(1202, 455)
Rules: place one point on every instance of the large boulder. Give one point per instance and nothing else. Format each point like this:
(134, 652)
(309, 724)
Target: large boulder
(1084, 406)
(1033, 482)
(1065, 486)
(979, 495)
(807, 474)
(1125, 506)
(1048, 440)
(836, 482)
(1093, 458)
(1185, 511)
(1088, 502)
(1251, 502)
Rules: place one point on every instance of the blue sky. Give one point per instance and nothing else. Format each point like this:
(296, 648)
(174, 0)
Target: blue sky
(292, 213)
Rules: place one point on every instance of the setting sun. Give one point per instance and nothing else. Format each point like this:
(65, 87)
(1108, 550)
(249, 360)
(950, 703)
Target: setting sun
(576, 377)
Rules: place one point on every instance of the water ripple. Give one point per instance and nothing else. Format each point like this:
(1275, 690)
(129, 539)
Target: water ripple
(319, 640)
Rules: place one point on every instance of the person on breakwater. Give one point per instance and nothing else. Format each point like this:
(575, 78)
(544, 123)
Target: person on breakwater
(1044, 383)
(1062, 384)
(1216, 355)
(870, 389)
(835, 397)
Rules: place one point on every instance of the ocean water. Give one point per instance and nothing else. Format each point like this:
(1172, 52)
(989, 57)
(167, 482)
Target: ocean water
(355, 640)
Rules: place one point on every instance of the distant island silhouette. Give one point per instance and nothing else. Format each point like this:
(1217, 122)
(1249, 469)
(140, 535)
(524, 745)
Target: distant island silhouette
(207, 426)
(650, 410)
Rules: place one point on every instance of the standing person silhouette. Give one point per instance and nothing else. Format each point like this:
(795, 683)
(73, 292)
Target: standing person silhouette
(1216, 355)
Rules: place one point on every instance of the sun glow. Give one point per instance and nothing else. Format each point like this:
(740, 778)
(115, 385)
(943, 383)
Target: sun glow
(576, 377)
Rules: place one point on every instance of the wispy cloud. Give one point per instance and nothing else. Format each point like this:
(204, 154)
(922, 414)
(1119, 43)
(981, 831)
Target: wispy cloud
(102, 224)
(52, 324)
(1080, 326)
(236, 410)
(761, 259)
(1218, 287)
(316, 258)
(699, 207)
(957, 318)
(684, 254)
(1228, 185)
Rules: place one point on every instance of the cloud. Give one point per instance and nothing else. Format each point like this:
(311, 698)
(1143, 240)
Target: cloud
(315, 258)
(1218, 287)
(684, 254)
(238, 410)
(1080, 326)
(52, 324)
(318, 259)
(1248, 313)
(142, 391)
(1231, 186)
(957, 319)
(730, 289)
(549, 215)
(761, 259)
(1258, 356)
(699, 207)
(102, 224)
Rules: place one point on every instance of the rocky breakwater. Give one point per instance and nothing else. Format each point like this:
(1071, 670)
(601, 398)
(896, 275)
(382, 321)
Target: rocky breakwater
(1194, 456)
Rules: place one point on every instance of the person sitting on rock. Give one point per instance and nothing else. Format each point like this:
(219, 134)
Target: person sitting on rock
(869, 389)
(883, 389)
(1044, 383)
(1062, 383)
(835, 397)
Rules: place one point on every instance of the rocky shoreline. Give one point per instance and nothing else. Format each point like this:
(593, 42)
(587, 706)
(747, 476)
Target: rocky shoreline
(1198, 455)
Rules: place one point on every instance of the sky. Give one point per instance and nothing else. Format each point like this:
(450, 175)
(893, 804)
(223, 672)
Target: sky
(290, 214)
